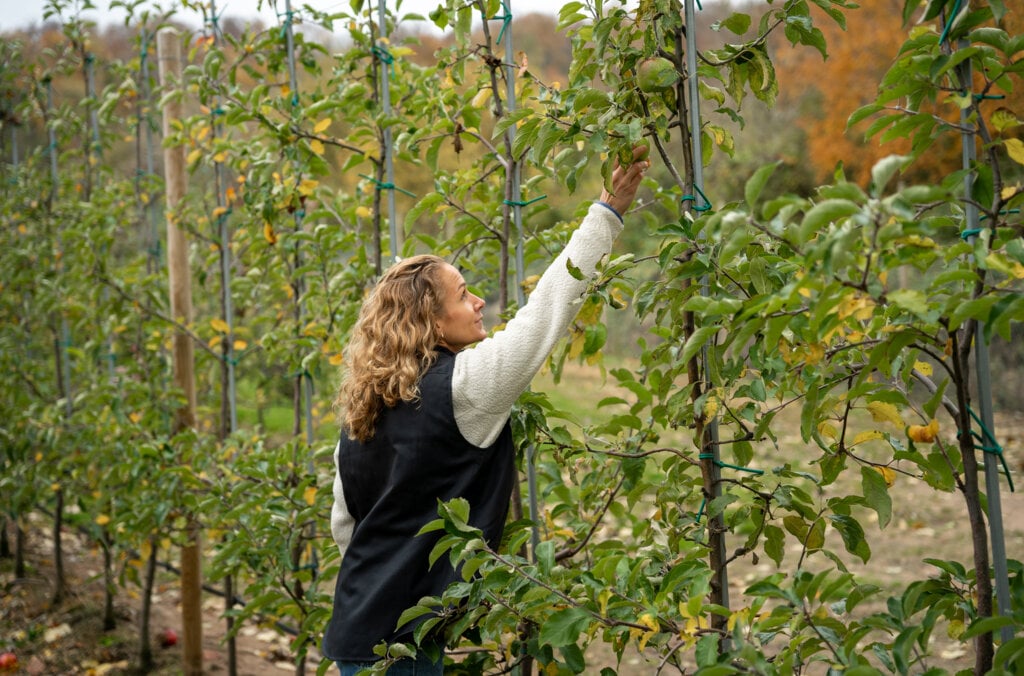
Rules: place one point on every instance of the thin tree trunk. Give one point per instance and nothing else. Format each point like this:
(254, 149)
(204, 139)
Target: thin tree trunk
(148, 582)
(109, 621)
(59, 582)
(229, 602)
(5, 543)
(19, 549)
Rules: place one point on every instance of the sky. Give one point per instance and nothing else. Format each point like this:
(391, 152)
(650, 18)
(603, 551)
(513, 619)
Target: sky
(22, 13)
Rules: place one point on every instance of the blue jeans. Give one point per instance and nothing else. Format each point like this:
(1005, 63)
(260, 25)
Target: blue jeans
(422, 665)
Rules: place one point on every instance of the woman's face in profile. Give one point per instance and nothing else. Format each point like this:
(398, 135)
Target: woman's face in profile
(462, 322)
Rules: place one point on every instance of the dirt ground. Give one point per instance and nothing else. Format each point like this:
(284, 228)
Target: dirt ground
(68, 639)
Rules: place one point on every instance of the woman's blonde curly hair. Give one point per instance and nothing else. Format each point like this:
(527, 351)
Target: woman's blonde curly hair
(392, 344)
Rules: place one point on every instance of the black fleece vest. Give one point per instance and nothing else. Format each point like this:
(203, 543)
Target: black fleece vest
(392, 485)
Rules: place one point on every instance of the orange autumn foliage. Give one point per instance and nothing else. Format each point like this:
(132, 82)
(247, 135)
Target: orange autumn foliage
(827, 92)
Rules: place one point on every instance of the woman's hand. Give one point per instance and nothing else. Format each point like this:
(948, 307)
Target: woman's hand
(625, 181)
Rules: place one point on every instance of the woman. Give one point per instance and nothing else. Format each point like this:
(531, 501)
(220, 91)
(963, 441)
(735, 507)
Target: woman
(425, 419)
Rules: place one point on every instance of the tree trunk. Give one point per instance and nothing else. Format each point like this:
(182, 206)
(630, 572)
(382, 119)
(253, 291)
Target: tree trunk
(148, 582)
(59, 582)
(109, 586)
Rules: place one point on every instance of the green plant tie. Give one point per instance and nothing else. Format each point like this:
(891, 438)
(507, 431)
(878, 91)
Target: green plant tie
(287, 21)
(304, 373)
(383, 54)
(522, 203)
(990, 97)
(1003, 213)
(720, 464)
(381, 185)
(691, 198)
(990, 445)
(224, 216)
(949, 23)
(506, 21)
(970, 232)
(90, 58)
(214, 21)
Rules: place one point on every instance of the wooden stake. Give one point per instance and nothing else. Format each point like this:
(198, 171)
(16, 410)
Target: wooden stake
(169, 49)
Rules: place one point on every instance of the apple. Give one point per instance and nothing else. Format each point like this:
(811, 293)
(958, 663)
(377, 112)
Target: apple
(168, 638)
(656, 74)
(8, 662)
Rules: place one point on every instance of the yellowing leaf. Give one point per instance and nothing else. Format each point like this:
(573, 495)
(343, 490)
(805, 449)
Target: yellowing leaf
(316, 146)
(651, 623)
(1015, 149)
(923, 367)
(710, 407)
(268, 233)
(215, 341)
(194, 156)
(888, 474)
(924, 433)
(102, 520)
(240, 345)
(363, 212)
(869, 435)
(336, 359)
(307, 186)
(882, 411)
(219, 211)
(220, 325)
(828, 430)
(481, 97)
(221, 156)
(309, 495)
(815, 353)
(1003, 119)
(322, 125)
(135, 416)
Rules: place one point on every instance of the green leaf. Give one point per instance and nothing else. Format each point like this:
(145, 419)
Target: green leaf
(695, 342)
(884, 170)
(825, 213)
(853, 535)
(737, 23)
(564, 627)
(876, 494)
(755, 185)
(774, 546)
(911, 300)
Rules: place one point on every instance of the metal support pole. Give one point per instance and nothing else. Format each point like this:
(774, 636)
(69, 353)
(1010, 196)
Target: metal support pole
(516, 197)
(709, 444)
(983, 373)
(388, 151)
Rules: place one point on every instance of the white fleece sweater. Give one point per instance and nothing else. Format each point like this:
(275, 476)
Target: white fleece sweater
(491, 375)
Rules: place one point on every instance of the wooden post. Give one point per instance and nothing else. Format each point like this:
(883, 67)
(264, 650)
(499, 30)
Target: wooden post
(169, 50)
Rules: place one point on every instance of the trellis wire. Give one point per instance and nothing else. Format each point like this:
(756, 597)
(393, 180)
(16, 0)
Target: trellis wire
(710, 442)
(982, 366)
